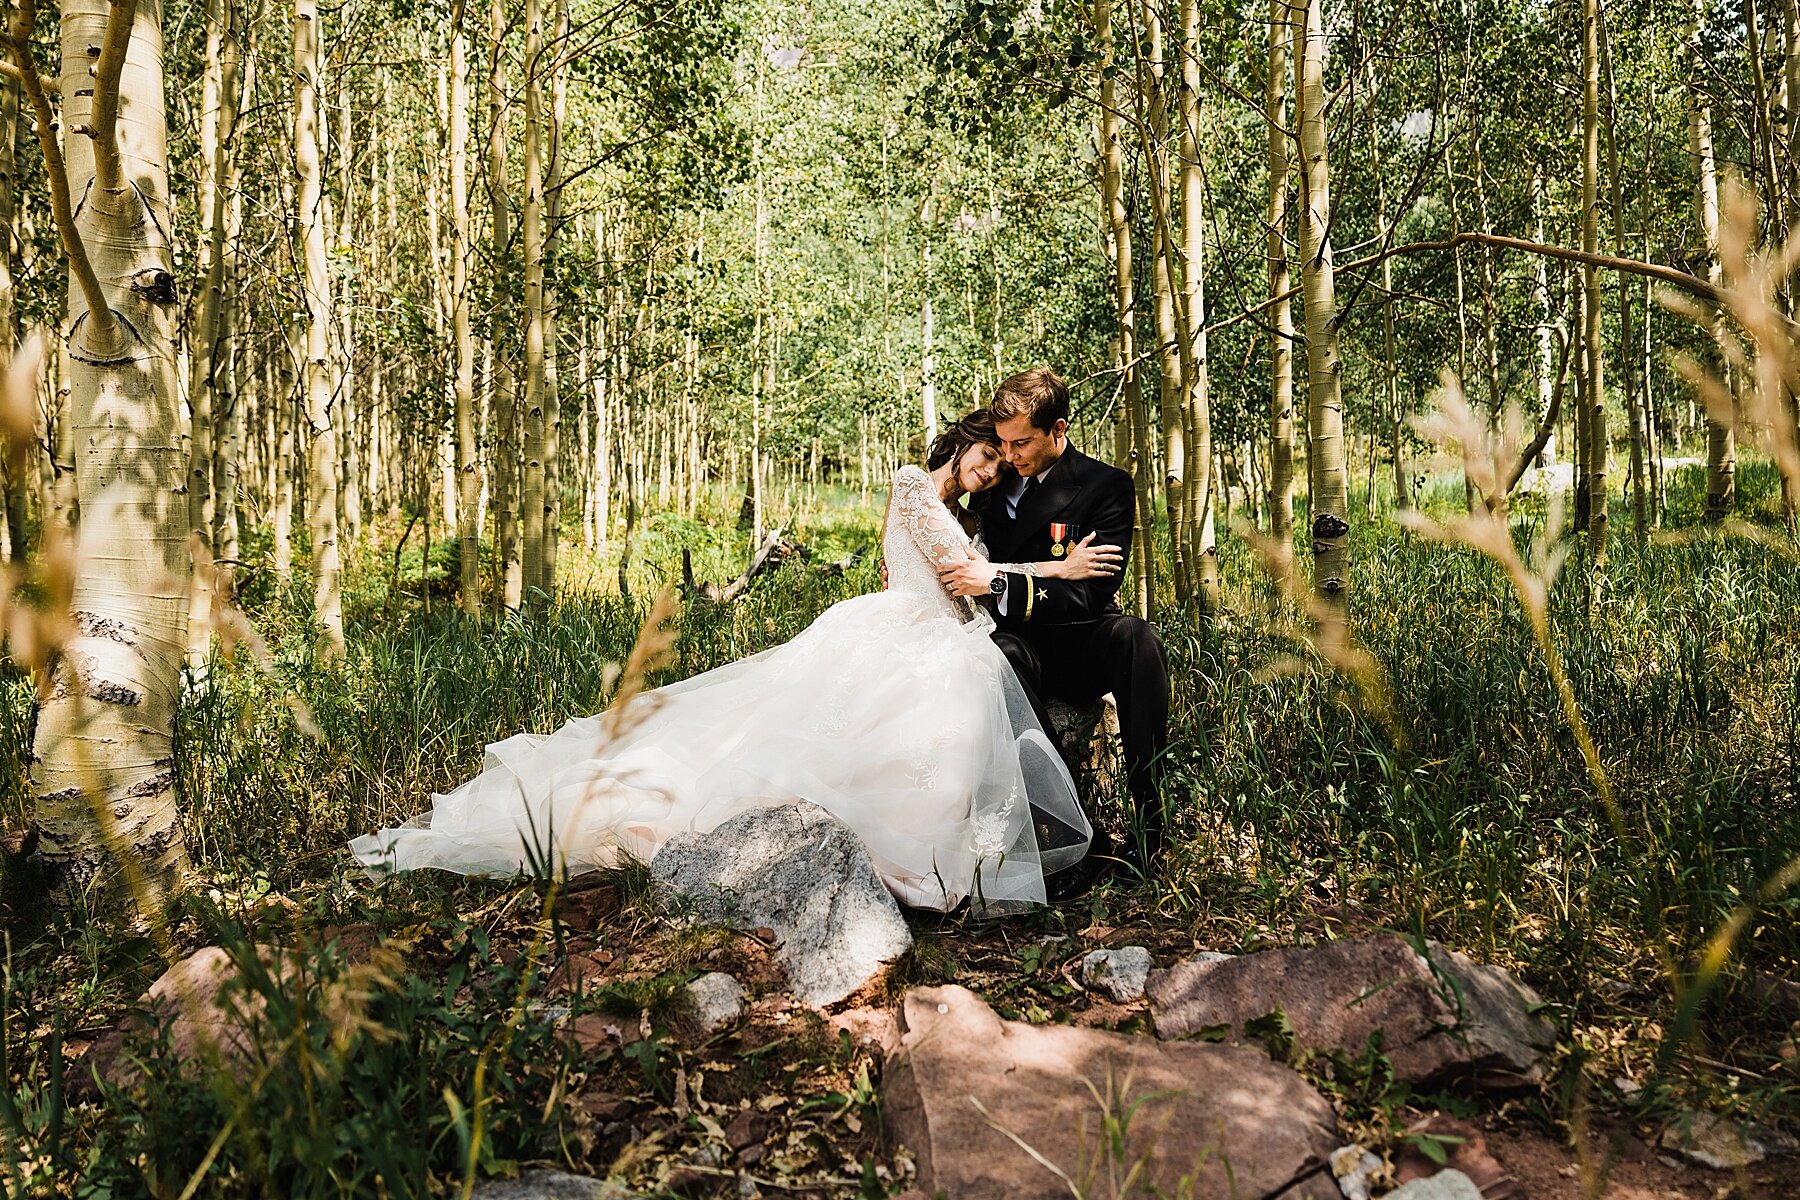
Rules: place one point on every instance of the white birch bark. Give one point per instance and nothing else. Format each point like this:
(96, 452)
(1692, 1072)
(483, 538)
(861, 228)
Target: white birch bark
(103, 754)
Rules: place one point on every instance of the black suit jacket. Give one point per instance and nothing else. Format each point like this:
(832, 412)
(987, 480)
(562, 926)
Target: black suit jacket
(1084, 492)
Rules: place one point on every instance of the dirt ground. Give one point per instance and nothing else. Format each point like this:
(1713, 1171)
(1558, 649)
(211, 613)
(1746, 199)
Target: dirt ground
(1550, 1170)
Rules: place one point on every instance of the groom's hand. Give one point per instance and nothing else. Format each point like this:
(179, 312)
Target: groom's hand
(970, 577)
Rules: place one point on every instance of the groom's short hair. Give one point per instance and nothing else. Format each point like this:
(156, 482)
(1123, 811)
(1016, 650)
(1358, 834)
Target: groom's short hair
(1039, 393)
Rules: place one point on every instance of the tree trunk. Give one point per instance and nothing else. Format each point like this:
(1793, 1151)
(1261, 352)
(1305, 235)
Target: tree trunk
(1546, 338)
(16, 480)
(1627, 339)
(218, 122)
(1201, 551)
(1594, 452)
(1721, 447)
(531, 492)
(322, 455)
(1390, 376)
(344, 386)
(462, 336)
(504, 406)
(229, 445)
(1281, 314)
(553, 219)
(1172, 354)
(1324, 368)
(927, 327)
(1124, 309)
(103, 751)
(282, 398)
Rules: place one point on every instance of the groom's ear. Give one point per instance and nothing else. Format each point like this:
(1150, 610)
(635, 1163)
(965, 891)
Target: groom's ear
(1060, 429)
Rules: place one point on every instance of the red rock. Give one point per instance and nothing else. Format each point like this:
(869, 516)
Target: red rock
(603, 1106)
(1467, 1153)
(1442, 1020)
(875, 1028)
(584, 909)
(594, 1032)
(576, 975)
(210, 1020)
(746, 1129)
(967, 1092)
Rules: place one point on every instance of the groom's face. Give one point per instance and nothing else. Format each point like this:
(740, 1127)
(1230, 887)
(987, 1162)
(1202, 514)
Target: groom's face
(1030, 449)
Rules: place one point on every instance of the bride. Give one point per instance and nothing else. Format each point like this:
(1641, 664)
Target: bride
(894, 711)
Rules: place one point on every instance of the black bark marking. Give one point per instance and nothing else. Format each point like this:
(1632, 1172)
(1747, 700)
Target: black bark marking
(1329, 525)
(152, 844)
(75, 335)
(93, 625)
(155, 285)
(66, 796)
(151, 785)
(108, 692)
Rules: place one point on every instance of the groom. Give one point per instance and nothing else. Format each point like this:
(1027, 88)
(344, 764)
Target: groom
(1068, 638)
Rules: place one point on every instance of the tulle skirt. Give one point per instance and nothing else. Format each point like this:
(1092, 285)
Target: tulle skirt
(907, 725)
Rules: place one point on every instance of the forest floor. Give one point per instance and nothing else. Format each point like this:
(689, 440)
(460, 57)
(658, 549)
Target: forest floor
(1439, 794)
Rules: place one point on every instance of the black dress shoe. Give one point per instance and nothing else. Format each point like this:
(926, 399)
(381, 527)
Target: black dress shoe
(1074, 882)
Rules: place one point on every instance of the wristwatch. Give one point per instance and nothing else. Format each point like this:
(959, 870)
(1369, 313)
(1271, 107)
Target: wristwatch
(998, 584)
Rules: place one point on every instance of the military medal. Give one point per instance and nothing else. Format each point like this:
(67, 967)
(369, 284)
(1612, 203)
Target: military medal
(1059, 536)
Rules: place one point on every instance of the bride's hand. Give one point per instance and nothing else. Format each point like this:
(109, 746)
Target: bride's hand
(1088, 561)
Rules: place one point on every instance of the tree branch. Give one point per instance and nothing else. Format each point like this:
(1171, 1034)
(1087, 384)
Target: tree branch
(1548, 426)
(109, 171)
(49, 83)
(1710, 293)
(103, 326)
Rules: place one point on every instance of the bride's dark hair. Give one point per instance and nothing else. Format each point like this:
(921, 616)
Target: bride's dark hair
(971, 429)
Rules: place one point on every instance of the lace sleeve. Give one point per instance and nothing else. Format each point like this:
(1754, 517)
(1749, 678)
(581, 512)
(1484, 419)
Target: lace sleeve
(939, 539)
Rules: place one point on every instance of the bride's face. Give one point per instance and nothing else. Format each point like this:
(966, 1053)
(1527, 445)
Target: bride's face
(979, 468)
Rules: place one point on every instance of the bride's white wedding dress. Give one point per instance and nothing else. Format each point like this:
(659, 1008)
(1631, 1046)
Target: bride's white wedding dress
(893, 711)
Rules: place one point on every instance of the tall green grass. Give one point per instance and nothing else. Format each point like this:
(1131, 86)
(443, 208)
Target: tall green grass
(1459, 808)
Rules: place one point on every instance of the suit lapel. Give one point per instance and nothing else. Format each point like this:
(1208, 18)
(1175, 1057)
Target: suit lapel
(1059, 488)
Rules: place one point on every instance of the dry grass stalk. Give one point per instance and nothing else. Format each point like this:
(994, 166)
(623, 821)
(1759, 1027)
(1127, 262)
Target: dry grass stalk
(1757, 341)
(1330, 636)
(1487, 532)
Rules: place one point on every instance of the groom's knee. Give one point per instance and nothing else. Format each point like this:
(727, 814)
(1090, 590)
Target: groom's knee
(1135, 640)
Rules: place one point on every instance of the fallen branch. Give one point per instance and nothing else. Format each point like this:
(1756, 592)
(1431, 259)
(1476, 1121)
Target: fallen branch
(774, 549)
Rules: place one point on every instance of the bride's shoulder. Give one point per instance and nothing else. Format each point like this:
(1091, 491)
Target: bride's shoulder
(910, 475)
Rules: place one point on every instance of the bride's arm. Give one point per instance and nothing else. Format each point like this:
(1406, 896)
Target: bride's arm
(1085, 561)
(926, 521)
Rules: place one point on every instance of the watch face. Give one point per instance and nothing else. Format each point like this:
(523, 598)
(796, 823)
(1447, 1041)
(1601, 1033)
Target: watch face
(998, 585)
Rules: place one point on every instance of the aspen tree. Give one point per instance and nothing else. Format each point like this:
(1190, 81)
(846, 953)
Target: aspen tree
(1627, 339)
(112, 812)
(1390, 376)
(553, 210)
(1196, 399)
(218, 122)
(1118, 222)
(1595, 447)
(462, 337)
(1324, 367)
(1721, 446)
(15, 482)
(344, 387)
(316, 291)
(1153, 128)
(1281, 313)
(230, 447)
(1546, 331)
(502, 384)
(927, 326)
(531, 491)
